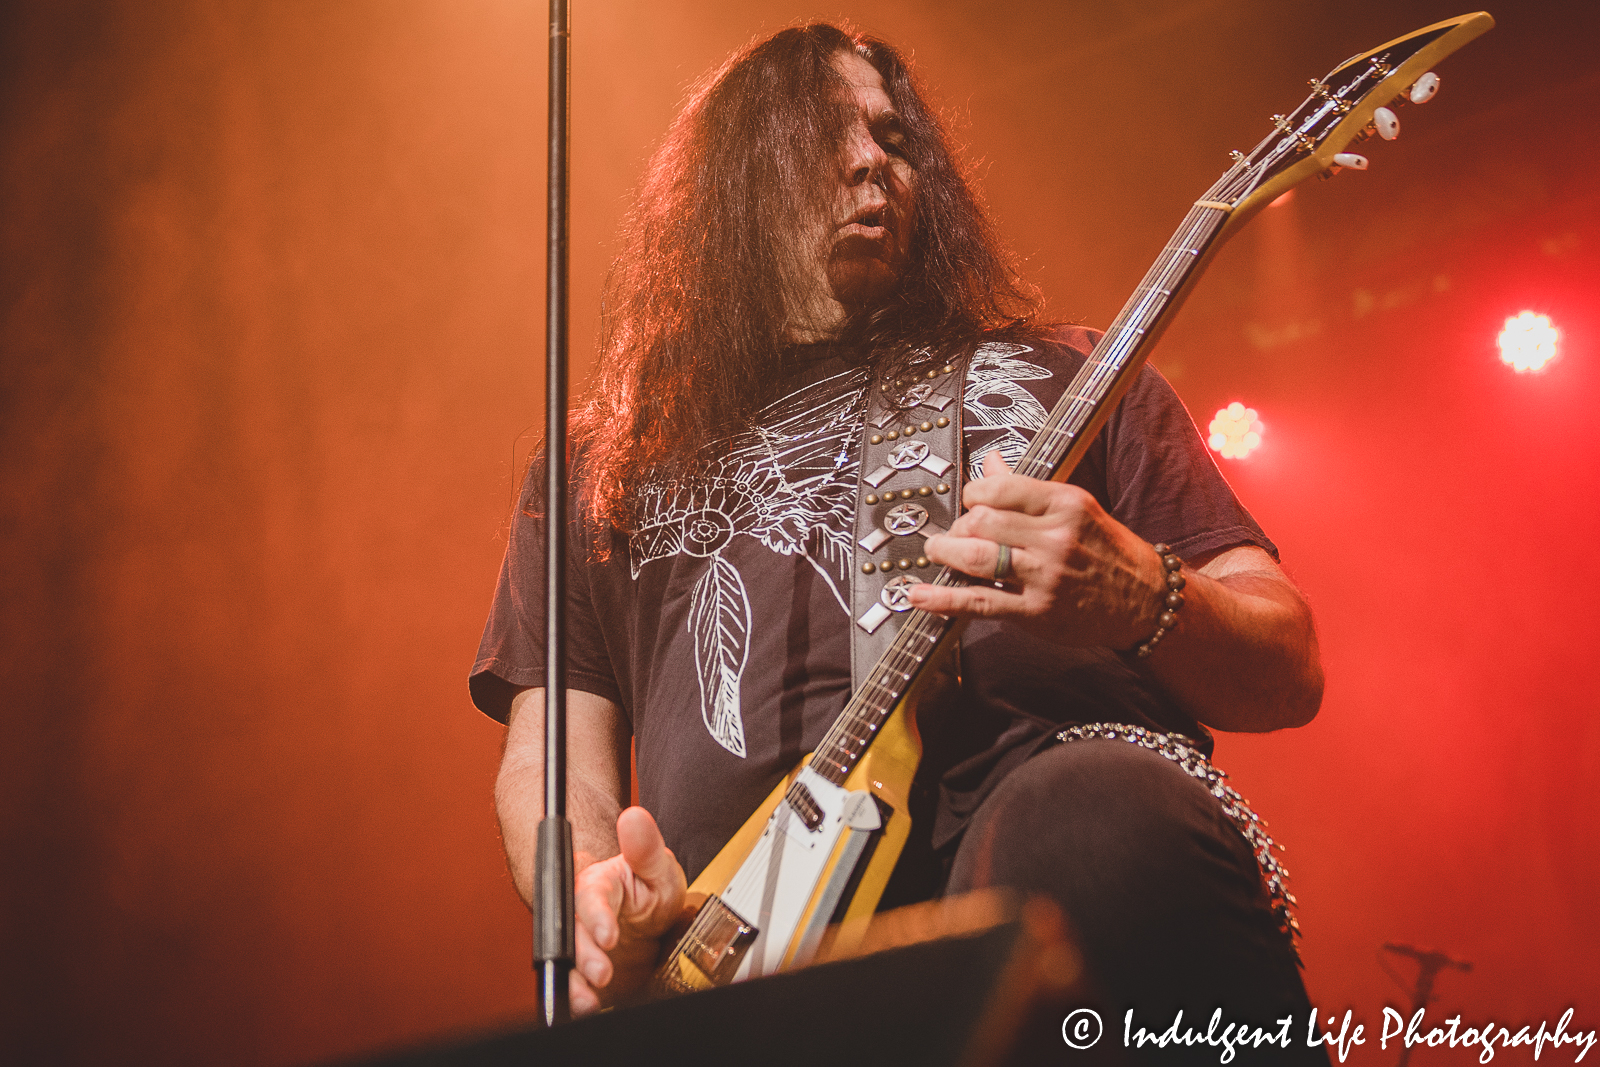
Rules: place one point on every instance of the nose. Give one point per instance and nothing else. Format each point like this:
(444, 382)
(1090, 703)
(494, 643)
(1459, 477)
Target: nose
(864, 158)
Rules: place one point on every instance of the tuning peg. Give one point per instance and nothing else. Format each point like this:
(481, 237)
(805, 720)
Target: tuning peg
(1423, 88)
(1387, 123)
(1351, 160)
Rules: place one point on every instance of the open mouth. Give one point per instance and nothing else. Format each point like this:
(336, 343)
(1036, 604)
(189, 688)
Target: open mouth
(872, 222)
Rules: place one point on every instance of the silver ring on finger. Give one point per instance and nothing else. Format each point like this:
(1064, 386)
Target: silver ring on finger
(1002, 565)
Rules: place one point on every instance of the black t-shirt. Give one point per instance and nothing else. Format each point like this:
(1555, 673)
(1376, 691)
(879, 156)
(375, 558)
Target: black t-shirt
(722, 627)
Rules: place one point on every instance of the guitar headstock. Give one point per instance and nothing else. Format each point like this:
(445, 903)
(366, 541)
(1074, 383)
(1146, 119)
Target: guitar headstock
(1352, 102)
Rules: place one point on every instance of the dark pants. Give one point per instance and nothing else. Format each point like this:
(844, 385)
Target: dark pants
(1162, 892)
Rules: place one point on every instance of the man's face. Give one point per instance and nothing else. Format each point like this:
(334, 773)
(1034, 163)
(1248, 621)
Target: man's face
(867, 241)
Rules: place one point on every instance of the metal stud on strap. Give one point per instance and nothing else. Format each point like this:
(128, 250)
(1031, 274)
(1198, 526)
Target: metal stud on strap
(879, 476)
(908, 454)
(894, 595)
(876, 539)
(903, 519)
(911, 455)
(893, 598)
(874, 618)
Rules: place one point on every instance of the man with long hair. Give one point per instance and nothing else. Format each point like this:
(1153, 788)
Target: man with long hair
(803, 236)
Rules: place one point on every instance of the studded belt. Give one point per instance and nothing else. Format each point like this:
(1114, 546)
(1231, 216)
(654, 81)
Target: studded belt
(910, 489)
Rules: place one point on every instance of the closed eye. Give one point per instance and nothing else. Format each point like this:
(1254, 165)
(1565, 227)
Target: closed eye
(890, 135)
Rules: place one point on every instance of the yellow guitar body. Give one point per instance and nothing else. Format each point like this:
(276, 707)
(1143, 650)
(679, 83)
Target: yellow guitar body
(886, 771)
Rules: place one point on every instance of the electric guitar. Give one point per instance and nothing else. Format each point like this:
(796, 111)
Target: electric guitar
(818, 851)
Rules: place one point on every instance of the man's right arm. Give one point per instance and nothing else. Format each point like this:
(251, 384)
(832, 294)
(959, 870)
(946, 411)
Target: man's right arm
(598, 780)
(629, 888)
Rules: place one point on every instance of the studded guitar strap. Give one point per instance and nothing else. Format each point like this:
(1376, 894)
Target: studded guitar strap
(910, 489)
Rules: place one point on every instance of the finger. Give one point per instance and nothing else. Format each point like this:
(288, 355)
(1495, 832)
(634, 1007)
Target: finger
(1013, 492)
(977, 556)
(995, 463)
(997, 527)
(976, 601)
(648, 856)
(597, 898)
(580, 996)
(642, 845)
(592, 961)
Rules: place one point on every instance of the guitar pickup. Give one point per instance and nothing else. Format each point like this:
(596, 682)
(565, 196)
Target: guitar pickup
(717, 941)
(805, 806)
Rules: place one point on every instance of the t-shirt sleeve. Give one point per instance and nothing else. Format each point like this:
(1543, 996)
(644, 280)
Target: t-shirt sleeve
(1161, 481)
(511, 654)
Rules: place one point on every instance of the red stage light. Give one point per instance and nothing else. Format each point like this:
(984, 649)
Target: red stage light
(1235, 431)
(1528, 342)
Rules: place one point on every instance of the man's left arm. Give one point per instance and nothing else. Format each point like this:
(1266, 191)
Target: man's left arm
(1243, 654)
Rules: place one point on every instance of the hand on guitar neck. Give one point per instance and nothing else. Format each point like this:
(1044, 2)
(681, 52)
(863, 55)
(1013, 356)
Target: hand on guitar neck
(1078, 577)
(1243, 655)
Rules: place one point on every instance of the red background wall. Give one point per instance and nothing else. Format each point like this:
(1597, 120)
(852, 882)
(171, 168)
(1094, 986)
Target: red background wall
(271, 338)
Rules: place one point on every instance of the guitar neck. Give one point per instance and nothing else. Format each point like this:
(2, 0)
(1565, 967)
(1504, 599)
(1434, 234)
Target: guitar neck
(1094, 392)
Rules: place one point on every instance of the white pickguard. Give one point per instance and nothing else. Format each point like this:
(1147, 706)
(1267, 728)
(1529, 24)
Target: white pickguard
(778, 880)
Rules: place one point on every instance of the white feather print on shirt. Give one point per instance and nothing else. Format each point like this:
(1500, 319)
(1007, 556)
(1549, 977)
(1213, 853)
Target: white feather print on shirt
(719, 619)
(790, 483)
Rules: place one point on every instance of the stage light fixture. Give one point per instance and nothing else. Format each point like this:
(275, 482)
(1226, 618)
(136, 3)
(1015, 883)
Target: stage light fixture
(1528, 343)
(1235, 431)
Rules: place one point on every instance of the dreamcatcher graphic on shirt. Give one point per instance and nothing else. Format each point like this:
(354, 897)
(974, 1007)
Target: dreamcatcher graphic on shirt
(791, 484)
(996, 401)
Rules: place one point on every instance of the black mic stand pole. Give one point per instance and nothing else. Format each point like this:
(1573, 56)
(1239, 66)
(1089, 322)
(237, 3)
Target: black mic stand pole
(554, 924)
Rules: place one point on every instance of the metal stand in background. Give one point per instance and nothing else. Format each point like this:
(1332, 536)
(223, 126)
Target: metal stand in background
(1429, 964)
(554, 925)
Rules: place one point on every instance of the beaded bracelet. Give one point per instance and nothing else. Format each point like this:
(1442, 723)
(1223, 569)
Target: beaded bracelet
(1171, 600)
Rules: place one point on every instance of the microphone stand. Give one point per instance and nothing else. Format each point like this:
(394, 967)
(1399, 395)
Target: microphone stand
(554, 923)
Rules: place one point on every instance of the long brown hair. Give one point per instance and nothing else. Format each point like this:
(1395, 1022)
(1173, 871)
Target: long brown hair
(693, 319)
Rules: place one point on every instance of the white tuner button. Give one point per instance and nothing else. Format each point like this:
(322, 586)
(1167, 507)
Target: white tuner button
(1388, 125)
(1423, 88)
(1351, 160)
